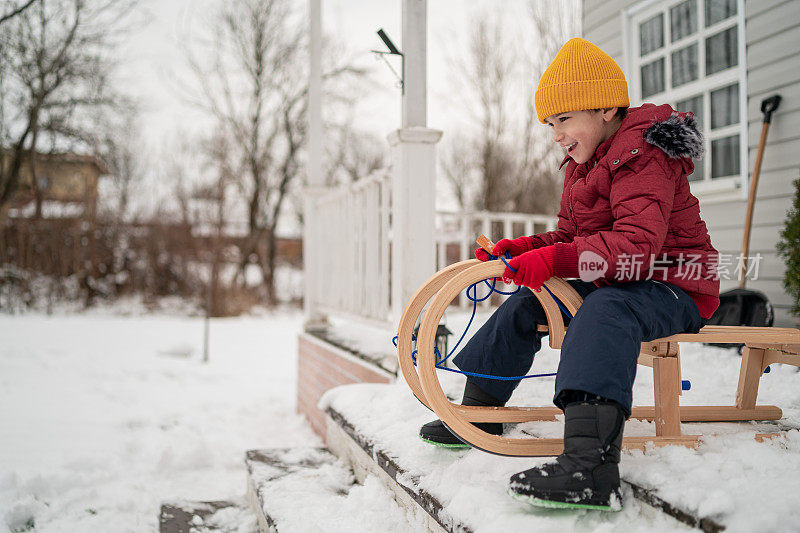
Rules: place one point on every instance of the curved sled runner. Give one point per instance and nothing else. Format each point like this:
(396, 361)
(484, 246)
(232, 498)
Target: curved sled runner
(763, 346)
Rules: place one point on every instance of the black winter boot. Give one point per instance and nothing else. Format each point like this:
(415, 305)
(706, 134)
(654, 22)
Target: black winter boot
(437, 433)
(586, 475)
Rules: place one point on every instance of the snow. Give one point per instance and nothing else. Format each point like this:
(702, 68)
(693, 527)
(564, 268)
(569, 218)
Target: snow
(104, 417)
(470, 484)
(234, 519)
(50, 209)
(106, 414)
(365, 338)
(731, 478)
(331, 499)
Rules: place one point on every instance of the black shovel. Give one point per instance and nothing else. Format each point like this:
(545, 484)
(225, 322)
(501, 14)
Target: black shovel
(740, 306)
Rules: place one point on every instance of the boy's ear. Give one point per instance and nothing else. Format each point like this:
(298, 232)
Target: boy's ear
(609, 113)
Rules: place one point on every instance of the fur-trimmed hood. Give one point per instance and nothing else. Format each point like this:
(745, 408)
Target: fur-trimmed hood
(678, 136)
(673, 132)
(651, 127)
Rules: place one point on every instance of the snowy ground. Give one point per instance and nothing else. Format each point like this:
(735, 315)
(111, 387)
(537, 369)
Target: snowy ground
(103, 417)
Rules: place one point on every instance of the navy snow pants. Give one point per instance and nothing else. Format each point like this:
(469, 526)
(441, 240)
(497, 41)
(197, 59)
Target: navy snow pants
(602, 343)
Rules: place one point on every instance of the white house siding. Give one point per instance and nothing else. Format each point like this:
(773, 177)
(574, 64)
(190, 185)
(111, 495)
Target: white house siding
(772, 35)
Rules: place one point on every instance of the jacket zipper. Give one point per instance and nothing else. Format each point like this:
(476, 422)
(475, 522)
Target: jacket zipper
(666, 287)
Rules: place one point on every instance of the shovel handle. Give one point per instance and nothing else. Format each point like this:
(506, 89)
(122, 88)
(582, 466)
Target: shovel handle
(768, 106)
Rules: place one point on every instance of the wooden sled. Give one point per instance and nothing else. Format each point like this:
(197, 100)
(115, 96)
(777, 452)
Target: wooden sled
(763, 346)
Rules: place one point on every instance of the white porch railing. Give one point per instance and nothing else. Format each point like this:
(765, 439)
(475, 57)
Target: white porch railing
(460, 230)
(456, 233)
(351, 244)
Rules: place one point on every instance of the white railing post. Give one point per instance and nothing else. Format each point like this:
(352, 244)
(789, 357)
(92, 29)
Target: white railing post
(314, 186)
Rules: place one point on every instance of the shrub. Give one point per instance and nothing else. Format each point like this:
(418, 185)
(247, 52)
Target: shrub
(789, 249)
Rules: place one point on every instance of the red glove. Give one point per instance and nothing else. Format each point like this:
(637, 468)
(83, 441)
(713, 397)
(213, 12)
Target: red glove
(515, 247)
(532, 268)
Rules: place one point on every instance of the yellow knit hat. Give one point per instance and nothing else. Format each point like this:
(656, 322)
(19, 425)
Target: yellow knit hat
(580, 77)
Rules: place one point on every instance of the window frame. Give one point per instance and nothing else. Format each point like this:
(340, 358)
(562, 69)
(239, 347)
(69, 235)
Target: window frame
(722, 189)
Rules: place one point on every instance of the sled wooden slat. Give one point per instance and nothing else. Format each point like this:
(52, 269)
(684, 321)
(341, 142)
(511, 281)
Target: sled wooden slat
(740, 335)
(763, 346)
(714, 413)
(760, 338)
(688, 413)
(507, 414)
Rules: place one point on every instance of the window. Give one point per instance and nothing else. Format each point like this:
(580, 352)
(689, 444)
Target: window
(689, 54)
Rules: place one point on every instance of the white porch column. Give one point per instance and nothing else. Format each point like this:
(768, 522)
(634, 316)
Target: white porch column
(414, 172)
(314, 184)
(413, 210)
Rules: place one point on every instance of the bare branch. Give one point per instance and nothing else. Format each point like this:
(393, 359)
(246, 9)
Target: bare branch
(56, 75)
(250, 74)
(16, 11)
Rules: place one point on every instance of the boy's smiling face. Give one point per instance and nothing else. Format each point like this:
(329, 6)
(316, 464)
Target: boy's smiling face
(581, 132)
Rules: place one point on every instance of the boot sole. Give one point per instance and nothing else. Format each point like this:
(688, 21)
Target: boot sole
(552, 504)
(459, 445)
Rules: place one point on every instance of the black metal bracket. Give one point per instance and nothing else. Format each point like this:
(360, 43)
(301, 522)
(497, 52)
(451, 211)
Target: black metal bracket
(393, 51)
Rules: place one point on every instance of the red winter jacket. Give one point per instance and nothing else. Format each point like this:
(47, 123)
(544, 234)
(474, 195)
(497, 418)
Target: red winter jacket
(631, 206)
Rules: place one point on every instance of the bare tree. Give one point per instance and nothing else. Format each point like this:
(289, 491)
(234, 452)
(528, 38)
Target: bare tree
(13, 9)
(552, 23)
(354, 155)
(54, 69)
(459, 167)
(254, 83)
(213, 219)
(120, 147)
(506, 162)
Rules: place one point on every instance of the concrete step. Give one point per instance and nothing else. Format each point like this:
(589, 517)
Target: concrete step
(310, 489)
(278, 478)
(206, 517)
(368, 460)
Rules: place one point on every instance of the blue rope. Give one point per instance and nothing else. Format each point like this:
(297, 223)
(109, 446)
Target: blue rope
(560, 305)
(474, 299)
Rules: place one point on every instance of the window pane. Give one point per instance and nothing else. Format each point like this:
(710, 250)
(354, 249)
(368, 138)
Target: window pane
(725, 106)
(699, 170)
(721, 51)
(695, 106)
(684, 65)
(653, 78)
(725, 157)
(717, 10)
(683, 20)
(651, 34)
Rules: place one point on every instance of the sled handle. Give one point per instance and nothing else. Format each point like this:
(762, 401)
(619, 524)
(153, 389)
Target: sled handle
(485, 243)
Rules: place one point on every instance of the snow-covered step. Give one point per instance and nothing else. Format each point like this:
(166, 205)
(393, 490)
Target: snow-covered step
(206, 517)
(305, 489)
(665, 489)
(367, 460)
(426, 487)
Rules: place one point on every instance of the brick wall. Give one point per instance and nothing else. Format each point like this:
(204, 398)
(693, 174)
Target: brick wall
(322, 366)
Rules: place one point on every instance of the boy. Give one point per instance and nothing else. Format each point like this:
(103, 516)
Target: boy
(627, 211)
